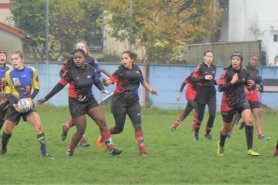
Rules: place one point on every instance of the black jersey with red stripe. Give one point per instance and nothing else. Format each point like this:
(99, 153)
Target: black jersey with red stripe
(80, 81)
(232, 93)
(201, 71)
(128, 80)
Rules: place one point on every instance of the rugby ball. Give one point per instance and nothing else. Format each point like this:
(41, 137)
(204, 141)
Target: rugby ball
(24, 105)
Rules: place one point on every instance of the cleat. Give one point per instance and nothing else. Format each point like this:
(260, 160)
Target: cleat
(115, 151)
(263, 138)
(2, 152)
(220, 150)
(48, 156)
(252, 152)
(242, 125)
(69, 153)
(100, 142)
(209, 137)
(143, 154)
(275, 152)
(84, 143)
(228, 136)
(64, 133)
(173, 128)
(196, 138)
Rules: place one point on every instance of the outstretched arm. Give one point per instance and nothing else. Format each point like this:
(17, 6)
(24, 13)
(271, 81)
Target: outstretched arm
(54, 91)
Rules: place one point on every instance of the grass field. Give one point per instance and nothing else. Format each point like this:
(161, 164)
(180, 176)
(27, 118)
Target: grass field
(173, 157)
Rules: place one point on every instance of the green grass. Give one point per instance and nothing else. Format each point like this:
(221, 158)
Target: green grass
(173, 157)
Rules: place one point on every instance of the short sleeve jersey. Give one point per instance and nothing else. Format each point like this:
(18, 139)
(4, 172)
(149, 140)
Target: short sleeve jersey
(19, 83)
(80, 81)
(2, 77)
(128, 80)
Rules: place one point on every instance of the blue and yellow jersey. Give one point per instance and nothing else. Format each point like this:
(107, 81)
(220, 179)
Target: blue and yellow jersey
(2, 77)
(19, 83)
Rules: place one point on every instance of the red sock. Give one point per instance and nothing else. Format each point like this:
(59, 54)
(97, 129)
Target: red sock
(106, 137)
(175, 124)
(68, 125)
(194, 121)
(197, 127)
(72, 147)
(140, 140)
(181, 117)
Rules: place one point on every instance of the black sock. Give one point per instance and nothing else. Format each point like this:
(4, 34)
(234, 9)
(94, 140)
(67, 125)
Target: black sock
(222, 140)
(5, 140)
(249, 136)
(277, 144)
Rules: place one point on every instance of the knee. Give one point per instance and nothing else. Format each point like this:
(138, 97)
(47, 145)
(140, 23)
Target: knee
(80, 131)
(248, 122)
(117, 130)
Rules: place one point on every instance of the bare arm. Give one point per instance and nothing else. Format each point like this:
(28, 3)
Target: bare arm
(148, 88)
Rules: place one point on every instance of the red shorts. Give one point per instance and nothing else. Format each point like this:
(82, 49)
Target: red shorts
(252, 96)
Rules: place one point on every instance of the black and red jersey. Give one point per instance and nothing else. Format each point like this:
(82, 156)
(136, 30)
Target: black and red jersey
(190, 91)
(254, 75)
(128, 80)
(80, 81)
(201, 71)
(232, 93)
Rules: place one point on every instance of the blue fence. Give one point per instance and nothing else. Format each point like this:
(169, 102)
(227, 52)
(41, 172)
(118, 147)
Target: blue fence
(167, 79)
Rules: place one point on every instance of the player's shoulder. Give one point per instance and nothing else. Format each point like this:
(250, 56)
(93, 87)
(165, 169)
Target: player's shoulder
(198, 67)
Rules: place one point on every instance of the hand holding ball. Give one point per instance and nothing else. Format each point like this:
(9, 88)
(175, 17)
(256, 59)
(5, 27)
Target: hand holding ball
(24, 105)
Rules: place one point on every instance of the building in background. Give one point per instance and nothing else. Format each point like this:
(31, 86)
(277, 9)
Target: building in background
(251, 20)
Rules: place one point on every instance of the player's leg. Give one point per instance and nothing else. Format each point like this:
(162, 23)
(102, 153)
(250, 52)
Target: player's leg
(65, 129)
(34, 119)
(97, 115)
(212, 113)
(235, 118)
(200, 116)
(256, 110)
(80, 123)
(134, 113)
(227, 117)
(6, 135)
(246, 115)
(182, 116)
(11, 119)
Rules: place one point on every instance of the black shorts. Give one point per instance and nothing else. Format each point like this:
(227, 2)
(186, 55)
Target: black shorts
(205, 93)
(123, 103)
(254, 104)
(14, 116)
(227, 116)
(78, 108)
